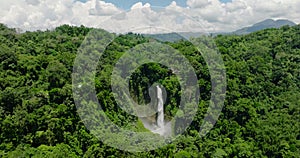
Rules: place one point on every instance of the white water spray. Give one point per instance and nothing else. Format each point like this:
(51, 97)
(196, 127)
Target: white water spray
(160, 108)
(158, 125)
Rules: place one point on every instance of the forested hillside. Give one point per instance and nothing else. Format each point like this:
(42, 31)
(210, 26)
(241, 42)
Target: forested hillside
(260, 118)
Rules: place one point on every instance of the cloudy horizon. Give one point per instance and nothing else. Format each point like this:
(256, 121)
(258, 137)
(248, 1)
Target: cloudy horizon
(146, 17)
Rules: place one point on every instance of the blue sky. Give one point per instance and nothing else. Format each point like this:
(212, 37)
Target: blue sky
(126, 4)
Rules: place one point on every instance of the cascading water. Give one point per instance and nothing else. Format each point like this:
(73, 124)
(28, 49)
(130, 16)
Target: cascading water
(160, 108)
(158, 124)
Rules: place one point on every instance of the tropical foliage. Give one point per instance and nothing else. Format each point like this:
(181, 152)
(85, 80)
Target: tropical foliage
(38, 116)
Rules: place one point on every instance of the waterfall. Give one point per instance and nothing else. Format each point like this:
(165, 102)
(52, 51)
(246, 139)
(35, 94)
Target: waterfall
(157, 124)
(160, 108)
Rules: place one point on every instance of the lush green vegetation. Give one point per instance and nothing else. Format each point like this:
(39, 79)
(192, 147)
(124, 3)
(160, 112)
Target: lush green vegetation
(38, 117)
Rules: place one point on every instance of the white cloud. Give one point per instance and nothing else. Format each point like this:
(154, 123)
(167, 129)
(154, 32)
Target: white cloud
(103, 9)
(47, 14)
(33, 2)
(198, 3)
(140, 5)
(199, 15)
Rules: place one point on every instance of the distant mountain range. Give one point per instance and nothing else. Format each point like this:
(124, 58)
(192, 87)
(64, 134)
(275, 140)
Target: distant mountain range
(172, 37)
(269, 23)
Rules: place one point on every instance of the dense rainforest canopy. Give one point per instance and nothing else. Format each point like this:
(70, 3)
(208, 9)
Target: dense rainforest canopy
(260, 118)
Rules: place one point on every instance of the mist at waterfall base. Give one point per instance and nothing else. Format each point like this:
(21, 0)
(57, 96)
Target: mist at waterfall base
(159, 126)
